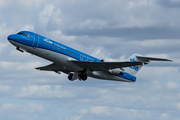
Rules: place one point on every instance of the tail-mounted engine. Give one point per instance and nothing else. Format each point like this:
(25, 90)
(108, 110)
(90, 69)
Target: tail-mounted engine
(116, 71)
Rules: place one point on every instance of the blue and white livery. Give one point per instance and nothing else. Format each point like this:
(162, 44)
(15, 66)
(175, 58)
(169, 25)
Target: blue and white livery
(76, 64)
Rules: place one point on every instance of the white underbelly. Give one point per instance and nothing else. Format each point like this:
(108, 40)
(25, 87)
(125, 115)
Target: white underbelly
(58, 58)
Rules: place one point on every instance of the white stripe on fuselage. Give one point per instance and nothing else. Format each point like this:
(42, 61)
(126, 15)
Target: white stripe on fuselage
(64, 60)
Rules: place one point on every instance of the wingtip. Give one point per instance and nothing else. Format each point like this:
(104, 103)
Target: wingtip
(148, 59)
(38, 69)
(144, 63)
(170, 60)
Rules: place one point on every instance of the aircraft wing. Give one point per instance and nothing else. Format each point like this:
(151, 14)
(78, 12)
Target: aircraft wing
(95, 66)
(147, 59)
(53, 67)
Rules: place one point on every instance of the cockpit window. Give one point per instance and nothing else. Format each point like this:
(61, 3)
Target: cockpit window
(25, 34)
(20, 33)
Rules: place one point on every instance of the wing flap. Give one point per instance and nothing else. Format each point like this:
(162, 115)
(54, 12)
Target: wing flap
(53, 67)
(50, 67)
(95, 66)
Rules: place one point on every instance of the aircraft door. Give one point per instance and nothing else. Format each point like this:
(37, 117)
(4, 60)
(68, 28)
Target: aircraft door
(36, 41)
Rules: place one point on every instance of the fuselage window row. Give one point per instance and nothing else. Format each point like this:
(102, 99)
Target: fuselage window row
(62, 49)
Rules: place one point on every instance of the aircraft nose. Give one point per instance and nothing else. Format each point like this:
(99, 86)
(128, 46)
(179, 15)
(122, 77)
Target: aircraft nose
(11, 37)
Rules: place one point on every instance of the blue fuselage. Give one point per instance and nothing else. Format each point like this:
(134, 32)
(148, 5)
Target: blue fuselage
(60, 54)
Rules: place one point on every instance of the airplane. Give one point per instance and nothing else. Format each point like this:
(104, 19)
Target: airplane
(76, 64)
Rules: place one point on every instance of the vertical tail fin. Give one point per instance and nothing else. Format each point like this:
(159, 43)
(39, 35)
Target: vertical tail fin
(133, 69)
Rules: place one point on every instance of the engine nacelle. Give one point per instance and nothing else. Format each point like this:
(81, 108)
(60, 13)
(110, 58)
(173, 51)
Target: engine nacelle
(116, 71)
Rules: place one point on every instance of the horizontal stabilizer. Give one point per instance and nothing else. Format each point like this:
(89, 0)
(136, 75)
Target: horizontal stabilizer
(139, 58)
(147, 59)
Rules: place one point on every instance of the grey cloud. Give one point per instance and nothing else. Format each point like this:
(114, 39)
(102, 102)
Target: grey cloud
(169, 3)
(130, 33)
(119, 28)
(21, 111)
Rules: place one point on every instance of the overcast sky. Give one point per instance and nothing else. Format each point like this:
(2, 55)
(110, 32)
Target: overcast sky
(107, 29)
